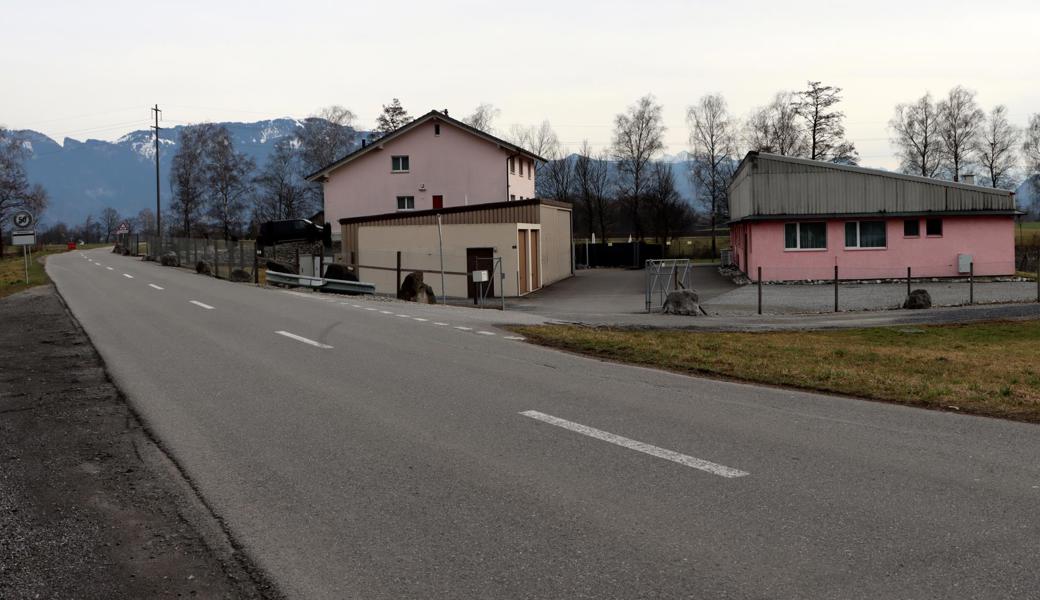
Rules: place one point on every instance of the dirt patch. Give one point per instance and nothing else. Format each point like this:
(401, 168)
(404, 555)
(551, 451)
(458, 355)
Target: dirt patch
(90, 507)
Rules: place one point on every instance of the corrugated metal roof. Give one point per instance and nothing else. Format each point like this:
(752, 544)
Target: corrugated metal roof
(781, 186)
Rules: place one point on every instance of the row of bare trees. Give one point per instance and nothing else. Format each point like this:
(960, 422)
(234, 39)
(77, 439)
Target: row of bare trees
(16, 193)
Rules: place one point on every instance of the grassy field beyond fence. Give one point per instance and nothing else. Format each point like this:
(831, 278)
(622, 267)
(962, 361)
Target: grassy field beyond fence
(988, 369)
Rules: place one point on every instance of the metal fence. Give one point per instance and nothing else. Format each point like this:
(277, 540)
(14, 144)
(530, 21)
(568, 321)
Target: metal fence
(236, 260)
(664, 276)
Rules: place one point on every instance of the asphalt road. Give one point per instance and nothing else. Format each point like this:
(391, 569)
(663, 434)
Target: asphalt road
(387, 457)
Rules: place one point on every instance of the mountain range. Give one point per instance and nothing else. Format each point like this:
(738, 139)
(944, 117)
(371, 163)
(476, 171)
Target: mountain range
(84, 177)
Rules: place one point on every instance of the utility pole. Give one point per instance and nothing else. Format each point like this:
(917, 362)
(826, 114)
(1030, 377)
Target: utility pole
(158, 224)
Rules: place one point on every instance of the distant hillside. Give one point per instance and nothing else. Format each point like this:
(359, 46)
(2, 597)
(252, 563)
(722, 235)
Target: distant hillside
(84, 177)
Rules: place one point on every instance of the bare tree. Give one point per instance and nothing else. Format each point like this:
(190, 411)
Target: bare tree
(775, 129)
(915, 129)
(228, 183)
(144, 221)
(555, 178)
(638, 136)
(592, 186)
(483, 117)
(996, 146)
(1031, 153)
(959, 122)
(16, 193)
(188, 178)
(281, 192)
(824, 127)
(669, 214)
(325, 137)
(713, 140)
(393, 117)
(110, 220)
(544, 142)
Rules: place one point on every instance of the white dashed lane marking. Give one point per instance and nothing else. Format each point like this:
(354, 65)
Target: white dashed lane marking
(200, 304)
(300, 338)
(128, 276)
(514, 337)
(461, 328)
(485, 333)
(110, 268)
(624, 442)
(420, 319)
(386, 312)
(441, 324)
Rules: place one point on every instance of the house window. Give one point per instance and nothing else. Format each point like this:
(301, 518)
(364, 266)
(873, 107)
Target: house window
(912, 228)
(805, 236)
(512, 196)
(512, 165)
(522, 161)
(436, 129)
(406, 203)
(865, 234)
(933, 227)
(399, 164)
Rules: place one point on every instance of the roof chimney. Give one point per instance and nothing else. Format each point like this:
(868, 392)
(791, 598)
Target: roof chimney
(363, 142)
(445, 112)
(968, 178)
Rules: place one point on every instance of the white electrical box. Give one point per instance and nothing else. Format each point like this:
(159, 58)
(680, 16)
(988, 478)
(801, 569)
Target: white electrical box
(480, 276)
(964, 263)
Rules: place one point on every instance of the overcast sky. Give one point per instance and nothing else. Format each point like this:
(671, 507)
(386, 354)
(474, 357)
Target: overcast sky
(92, 69)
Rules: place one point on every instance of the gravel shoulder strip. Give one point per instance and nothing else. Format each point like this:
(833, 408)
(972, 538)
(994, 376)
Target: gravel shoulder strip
(90, 506)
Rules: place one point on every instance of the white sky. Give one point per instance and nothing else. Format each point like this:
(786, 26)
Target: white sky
(92, 69)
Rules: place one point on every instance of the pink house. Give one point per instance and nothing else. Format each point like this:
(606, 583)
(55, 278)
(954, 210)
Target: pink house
(798, 219)
(432, 162)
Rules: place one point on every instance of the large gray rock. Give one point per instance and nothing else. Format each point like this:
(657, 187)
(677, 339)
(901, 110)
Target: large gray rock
(918, 299)
(414, 290)
(280, 267)
(170, 259)
(682, 302)
(202, 268)
(240, 276)
(117, 249)
(340, 272)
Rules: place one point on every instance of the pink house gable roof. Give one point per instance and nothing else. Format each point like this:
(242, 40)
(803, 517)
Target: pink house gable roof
(433, 115)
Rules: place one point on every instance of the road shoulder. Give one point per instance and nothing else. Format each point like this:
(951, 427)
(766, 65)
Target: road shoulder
(90, 506)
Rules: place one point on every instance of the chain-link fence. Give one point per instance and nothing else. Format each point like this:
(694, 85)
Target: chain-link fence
(235, 260)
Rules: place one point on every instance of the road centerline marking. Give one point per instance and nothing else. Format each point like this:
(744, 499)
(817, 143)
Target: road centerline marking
(514, 337)
(386, 312)
(369, 308)
(485, 332)
(152, 285)
(128, 276)
(202, 304)
(439, 323)
(420, 319)
(300, 338)
(110, 268)
(676, 457)
(461, 328)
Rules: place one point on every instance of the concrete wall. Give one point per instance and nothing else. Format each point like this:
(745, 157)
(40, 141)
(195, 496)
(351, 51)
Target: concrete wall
(461, 167)
(989, 239)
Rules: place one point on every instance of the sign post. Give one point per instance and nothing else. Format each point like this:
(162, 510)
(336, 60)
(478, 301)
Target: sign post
(24, 235)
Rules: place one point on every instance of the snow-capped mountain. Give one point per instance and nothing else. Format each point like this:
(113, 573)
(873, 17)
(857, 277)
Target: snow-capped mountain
(83, 177)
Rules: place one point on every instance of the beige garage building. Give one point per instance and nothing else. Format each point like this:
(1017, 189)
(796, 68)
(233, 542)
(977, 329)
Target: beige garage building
(524, 245)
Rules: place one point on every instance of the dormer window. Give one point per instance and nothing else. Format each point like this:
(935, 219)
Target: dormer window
(399, 164)
(436, 129)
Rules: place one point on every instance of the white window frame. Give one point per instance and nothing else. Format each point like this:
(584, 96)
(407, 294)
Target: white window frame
(406, 202)
(798, 237)
(401, 159)
(859, 237)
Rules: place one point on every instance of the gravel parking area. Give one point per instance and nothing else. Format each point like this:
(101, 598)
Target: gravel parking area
(806, 298)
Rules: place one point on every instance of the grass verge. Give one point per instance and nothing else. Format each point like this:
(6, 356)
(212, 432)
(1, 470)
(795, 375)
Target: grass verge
(990, 369)
(12, 267)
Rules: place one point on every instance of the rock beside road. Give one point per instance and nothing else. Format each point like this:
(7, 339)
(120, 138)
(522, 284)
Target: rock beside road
(682, 302)
(240, 276)
(280, 267)
(413, 289)
(918, 299)
(170, 259)
(340, 272)
(202, 268)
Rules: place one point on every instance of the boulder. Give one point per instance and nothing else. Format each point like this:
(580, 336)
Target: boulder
(682, 302)
(279, 267)
(117, 249)
(918, 299)
(340, 272)
(148, 258)
(414, 290)
(170, 259)
(124, 251)
(241, 276)
(202, 268)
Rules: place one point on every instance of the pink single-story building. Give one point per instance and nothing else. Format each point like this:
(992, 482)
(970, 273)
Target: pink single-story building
(798, 219)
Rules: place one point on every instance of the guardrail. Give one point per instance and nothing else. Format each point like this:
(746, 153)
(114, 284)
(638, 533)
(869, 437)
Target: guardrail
(320, 283)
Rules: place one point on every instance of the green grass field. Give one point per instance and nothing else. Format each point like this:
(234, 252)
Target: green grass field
(1027, 234)
(986, 369)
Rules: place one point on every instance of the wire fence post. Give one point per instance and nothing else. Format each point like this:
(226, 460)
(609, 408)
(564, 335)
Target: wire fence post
(398, 289)
(908, 282)
(835, 288)
(760, 290)
(971, 282)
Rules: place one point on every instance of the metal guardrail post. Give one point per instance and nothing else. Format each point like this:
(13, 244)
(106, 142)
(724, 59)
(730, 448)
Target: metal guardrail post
(971, 282)
(760, 290)
(835, 288)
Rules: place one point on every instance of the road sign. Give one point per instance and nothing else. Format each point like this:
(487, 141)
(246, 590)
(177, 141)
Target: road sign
(23, 219)
(23, 238)
(124, 228)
